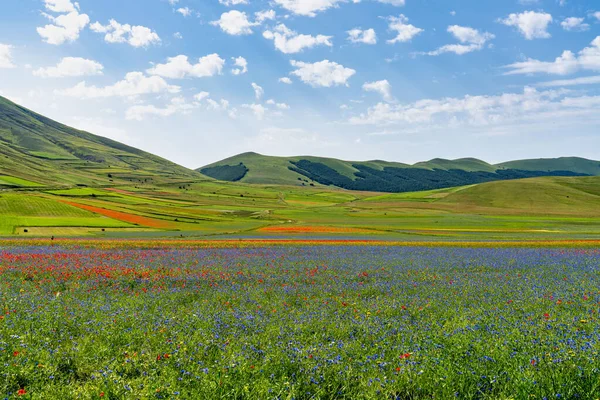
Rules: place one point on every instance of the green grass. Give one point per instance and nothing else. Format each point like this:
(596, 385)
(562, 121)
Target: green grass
(14, 181)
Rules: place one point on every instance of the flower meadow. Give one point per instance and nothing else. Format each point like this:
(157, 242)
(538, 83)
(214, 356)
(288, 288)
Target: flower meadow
(299, 322)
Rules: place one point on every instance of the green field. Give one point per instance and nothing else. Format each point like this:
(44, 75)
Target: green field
(543, 208)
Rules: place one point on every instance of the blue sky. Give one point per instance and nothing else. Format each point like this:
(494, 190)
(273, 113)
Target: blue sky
(196, 81)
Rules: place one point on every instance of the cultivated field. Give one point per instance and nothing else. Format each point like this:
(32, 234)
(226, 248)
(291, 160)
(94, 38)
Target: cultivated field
(314, 320)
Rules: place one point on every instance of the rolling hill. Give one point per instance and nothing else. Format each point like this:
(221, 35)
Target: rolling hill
(385, 176)
(37, 151)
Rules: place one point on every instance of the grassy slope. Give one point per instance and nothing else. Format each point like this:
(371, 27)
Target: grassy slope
(37, 149)
(536, 196)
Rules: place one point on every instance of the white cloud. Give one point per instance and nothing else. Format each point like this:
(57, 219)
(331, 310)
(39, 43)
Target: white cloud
(574, 24)
(61, 6)
(405, 30)
(201, 96)
(596, 15)
(258, 91)
(71, 67)
(290, 42)
(179, 67)
(241, 66)
(185, 11)
(587, 80)
(263, 16)
(368, 36)
(134, 84)
(533, 25)
(258, 109)
(136, 36)
(308, 8)
(177, 105)
(64, 28)
(285, 80)
(281, 106)
(470, 40)
(235, 23)
(382, 87)
(397, 3)
(567, 63)
(178, 35)
(479, 111)
(230, 3)
(6, 56)
(323, 73)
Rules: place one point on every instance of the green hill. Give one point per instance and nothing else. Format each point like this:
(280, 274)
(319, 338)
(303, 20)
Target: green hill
(382, 176)
(575, 164)
(37, 151)
(536, 196)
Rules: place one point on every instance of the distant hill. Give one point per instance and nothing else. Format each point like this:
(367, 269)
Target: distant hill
(383, 176)
(574, 164)
(37, 151)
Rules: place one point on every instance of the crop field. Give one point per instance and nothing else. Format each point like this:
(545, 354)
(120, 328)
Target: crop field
(291, 319)
(530, 209)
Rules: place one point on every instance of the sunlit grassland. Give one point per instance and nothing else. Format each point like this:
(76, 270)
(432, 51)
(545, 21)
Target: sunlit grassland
(541, 208)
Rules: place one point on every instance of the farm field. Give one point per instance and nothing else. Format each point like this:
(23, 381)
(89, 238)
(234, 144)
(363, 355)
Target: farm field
(531, 209)
(92, 318)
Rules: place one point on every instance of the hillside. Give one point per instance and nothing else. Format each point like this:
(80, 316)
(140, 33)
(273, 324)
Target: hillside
(536, 196)
(384, 176)
(37, 151)
(574, 164)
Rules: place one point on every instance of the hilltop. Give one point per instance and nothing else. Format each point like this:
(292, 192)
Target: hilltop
(387, 176)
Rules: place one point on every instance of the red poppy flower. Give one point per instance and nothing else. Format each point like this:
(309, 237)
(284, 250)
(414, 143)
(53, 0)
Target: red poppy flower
(21, 392)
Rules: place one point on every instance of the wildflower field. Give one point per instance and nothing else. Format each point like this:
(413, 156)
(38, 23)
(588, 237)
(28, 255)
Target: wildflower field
(305, 321)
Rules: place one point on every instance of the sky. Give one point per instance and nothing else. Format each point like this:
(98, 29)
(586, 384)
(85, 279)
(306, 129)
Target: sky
(196, 81)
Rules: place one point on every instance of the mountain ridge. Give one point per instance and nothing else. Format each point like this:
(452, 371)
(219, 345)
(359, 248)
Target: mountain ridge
(388, 176)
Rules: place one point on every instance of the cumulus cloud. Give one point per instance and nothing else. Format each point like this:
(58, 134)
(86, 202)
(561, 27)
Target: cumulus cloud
(308, 8)
(6, 56)
(289, 42)
(574, 24)
(136, 36)
(61, 6)
(262, 16)
(64, 28)
(134, 84)
(235, 23)
(71, 67)
(531, 24)
(470, 40)
(323, 73)
(177, 105)
(367, 36)
(185, 11)
(405, 31)
(567, 63)
(285, 80)
(382, 87)
(179, 67)
(241, 65)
